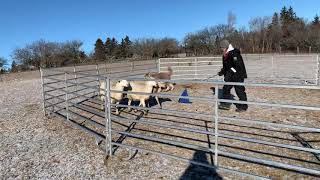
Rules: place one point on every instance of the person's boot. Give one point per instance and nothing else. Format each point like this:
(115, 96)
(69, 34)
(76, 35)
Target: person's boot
(241, 110)
(224, 107)
(241, 107)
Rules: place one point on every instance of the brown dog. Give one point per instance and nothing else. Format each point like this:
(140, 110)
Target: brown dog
(162, 75)
(162, 86)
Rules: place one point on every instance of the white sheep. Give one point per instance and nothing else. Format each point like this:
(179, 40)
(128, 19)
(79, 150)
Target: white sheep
(114, 96)
(140, 86)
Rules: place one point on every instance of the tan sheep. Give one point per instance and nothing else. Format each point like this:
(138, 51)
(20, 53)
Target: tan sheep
(115, 97)
(140, 86)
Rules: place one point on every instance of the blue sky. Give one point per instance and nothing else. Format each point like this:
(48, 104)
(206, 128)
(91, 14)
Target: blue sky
(25, 21)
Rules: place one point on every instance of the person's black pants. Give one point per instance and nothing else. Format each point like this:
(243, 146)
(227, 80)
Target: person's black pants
(240, 91)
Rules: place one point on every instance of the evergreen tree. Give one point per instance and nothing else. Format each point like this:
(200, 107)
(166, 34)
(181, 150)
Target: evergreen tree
(275, 20)
(99, 50)
(108, 46)
(113, 47)
(283, 15)
(287, 16)
(127, 47)
(274, 32)
(316, 20)
(122, 49)
(291, 15)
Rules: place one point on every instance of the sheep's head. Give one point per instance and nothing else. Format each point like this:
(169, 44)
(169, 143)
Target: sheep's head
(123, 83)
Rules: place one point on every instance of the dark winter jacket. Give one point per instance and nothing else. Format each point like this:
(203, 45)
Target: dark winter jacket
(233, 69)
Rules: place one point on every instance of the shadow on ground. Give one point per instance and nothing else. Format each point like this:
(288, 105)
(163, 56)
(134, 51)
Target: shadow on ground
(200, 172)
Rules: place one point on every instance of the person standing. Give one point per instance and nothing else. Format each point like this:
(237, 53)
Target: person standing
(233, 70)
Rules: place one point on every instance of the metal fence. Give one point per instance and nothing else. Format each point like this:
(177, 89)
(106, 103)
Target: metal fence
(73, 95)
(264, 68)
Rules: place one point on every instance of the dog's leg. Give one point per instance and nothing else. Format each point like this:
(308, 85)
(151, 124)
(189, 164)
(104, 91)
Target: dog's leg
(157, 99)
(171, 87)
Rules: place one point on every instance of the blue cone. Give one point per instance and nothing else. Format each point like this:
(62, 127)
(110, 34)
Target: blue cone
(184, 100)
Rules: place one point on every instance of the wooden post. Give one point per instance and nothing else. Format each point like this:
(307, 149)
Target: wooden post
(318, 71)
(309, 49)
(280, 49)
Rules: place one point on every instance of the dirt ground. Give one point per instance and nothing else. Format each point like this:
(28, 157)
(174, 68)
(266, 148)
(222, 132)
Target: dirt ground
(37, 147)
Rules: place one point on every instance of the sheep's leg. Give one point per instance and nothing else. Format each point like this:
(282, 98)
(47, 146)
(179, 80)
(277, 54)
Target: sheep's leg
(117, 109)
(136, 110)
(129, 104)
(102, 104)
(143, 104)
(148, 105)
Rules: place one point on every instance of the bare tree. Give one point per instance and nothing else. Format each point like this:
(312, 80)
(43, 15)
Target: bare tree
(231, 20)
(49, 54)
(145, 48)
(258, 27)
(168, 46)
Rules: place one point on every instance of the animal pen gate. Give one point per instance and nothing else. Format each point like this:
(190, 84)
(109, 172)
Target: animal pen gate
(73, 95)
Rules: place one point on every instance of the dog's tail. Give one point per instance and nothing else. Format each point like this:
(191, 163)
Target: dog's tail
(170, 70)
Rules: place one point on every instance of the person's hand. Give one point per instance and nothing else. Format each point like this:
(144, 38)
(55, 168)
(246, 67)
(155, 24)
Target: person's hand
(220, 73)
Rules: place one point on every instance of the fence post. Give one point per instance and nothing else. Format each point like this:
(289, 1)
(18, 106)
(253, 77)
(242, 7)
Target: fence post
(66, 90)
(97, 72)
(132, 66)
(75, 75)
(318, 70)
(107, 101)
(43, 94)
(159, 61)
(216, 125)
(105, 65)
(196, 68)
(272, 66)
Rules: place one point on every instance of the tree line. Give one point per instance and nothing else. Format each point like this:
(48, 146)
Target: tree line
(146, 48)
(284, 31)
